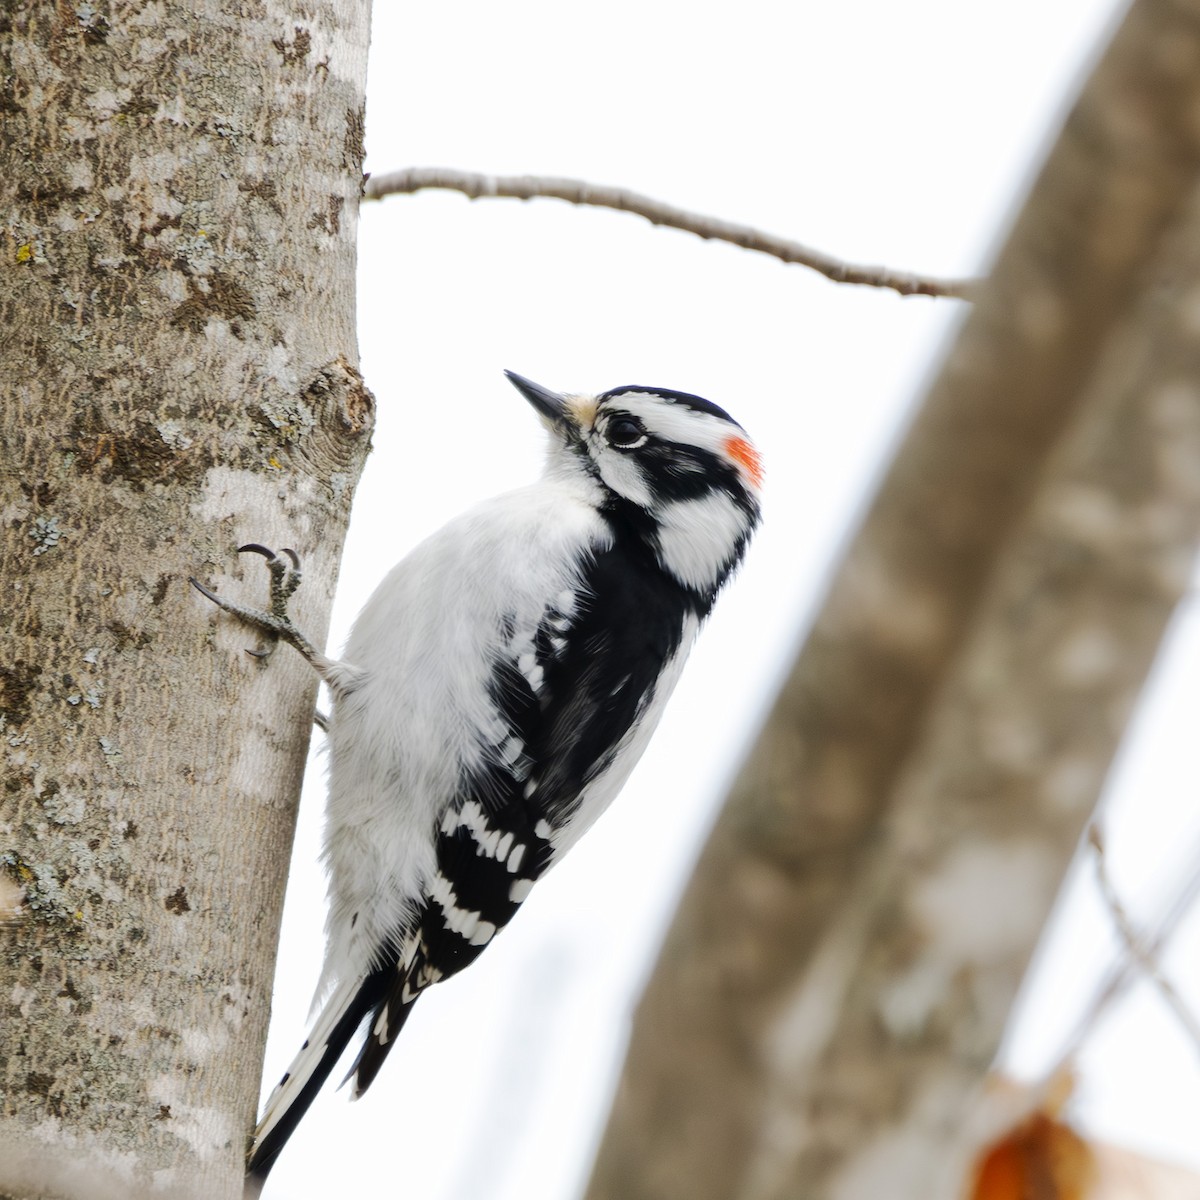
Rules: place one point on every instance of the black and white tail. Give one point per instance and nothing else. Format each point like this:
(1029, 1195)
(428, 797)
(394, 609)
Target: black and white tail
(340, 1018)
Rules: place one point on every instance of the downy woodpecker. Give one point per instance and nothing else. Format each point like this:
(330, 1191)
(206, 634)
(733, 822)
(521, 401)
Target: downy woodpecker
(495, 693)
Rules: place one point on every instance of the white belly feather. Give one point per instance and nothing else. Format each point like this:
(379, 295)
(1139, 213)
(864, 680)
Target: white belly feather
(403, 739)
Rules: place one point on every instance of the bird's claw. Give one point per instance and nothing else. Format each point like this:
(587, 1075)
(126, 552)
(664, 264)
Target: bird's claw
(276, 623)
(207, 593)
(284, 580)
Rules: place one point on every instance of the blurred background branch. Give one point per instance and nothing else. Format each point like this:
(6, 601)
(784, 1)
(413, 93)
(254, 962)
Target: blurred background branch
(841, 969)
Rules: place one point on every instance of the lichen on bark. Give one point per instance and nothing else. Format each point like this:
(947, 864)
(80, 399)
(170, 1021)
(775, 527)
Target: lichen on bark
(177, 376)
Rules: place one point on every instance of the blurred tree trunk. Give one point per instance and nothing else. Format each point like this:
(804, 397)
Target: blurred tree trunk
(839, 973)
(177, 376)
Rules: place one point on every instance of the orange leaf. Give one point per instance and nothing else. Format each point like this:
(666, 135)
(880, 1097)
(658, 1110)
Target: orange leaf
(1040, 1159)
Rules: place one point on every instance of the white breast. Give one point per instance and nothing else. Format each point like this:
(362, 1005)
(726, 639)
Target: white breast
(399, 744)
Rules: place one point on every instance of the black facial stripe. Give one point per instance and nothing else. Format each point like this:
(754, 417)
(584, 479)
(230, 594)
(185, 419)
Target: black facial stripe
(686, 399)
(677, 472)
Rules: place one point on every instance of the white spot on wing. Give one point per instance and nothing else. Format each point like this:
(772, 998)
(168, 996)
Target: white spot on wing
(463, 921)
(380, 1029)
(494, 843)
(527, 664)
(519, 889)
(483, 933)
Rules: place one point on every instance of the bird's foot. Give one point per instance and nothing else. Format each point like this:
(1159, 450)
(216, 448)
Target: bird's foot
(286, 577)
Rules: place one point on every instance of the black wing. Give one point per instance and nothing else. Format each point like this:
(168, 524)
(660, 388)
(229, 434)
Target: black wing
(568, 691)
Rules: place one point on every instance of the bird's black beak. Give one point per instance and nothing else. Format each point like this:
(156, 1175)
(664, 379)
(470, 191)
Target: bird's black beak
(550, 405)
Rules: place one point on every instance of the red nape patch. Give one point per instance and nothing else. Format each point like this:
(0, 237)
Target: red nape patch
(746, 457)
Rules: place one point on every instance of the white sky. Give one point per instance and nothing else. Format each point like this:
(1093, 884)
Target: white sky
(879, 131)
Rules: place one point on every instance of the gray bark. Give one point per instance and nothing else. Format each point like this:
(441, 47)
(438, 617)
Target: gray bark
(839, 973)
(177, 376)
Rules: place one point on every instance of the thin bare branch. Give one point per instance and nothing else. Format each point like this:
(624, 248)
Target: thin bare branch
(579, 191)
(1123, 973)
(1140, 949)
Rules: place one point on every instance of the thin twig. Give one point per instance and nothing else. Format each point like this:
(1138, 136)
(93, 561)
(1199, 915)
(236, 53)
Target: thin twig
(578, 191)
(1136, 944)
(1122, 973)
(1140, 949)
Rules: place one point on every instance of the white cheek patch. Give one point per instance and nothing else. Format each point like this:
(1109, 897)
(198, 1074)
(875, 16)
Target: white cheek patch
(622, 474)
(697, 538)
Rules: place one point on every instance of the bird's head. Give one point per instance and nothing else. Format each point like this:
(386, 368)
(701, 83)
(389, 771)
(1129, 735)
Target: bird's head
(675, 469)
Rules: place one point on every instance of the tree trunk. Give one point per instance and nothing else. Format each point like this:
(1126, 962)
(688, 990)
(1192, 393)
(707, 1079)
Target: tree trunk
(177, 377)
(838, 976)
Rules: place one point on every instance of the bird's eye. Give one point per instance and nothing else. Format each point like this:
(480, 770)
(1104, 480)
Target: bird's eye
(625, 433)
